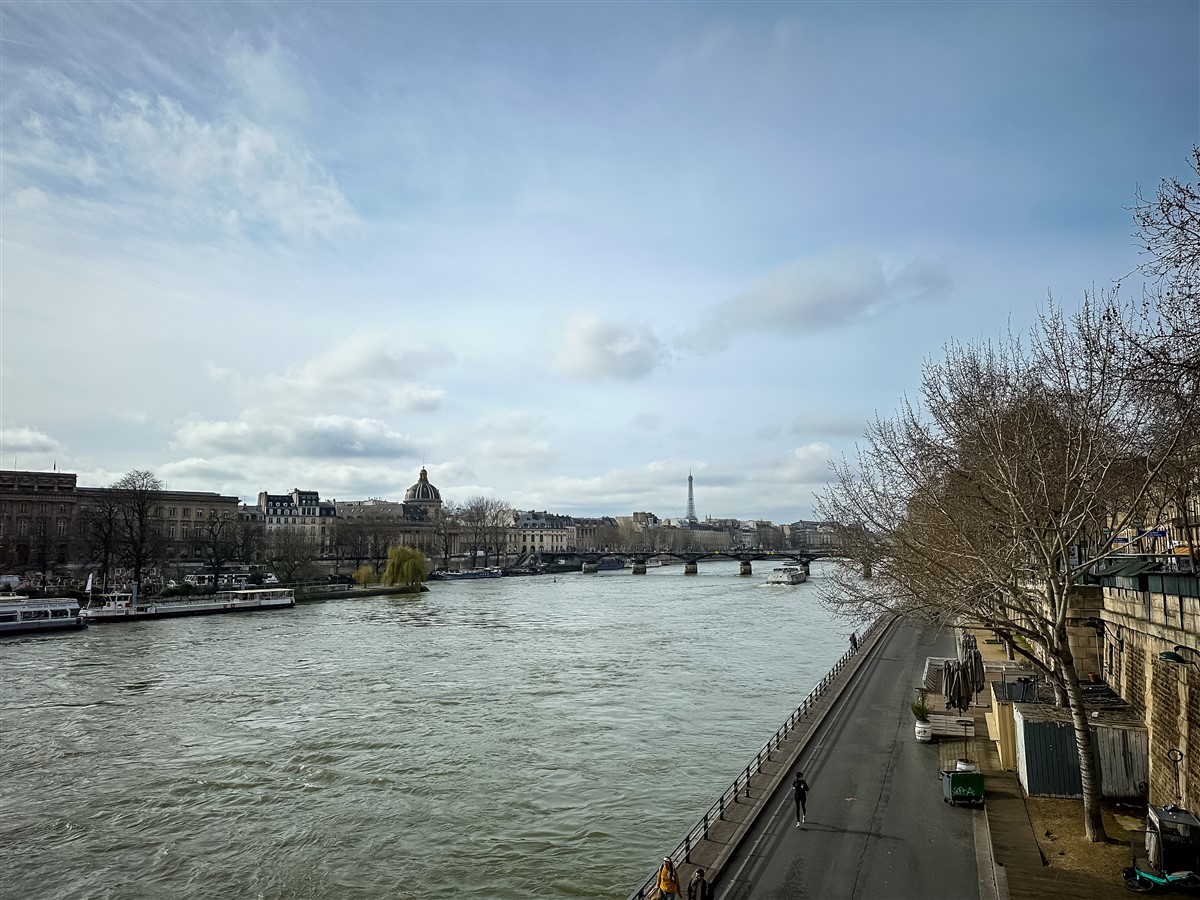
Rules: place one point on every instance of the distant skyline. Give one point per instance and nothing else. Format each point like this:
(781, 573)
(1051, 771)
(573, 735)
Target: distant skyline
(561, 254)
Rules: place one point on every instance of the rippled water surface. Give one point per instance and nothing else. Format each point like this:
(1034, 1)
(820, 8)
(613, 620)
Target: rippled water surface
(506, 738)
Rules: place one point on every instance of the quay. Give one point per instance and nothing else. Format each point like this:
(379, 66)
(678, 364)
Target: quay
(877, 827)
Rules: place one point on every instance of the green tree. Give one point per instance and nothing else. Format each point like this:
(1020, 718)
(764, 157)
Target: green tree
(406, 565)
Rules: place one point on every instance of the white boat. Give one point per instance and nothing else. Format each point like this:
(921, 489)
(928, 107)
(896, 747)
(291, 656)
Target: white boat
(787, 575)
(124, 608)
(466, 574)
(19, 615)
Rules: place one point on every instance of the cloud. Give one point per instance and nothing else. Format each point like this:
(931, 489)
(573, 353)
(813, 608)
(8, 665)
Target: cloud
(364, 373)
(818, 293)
(30, 198)
(268, 81)
(806, 465)
(28, 440)
(184, 170)
(314, 437)
(830, 424)
(593, 350)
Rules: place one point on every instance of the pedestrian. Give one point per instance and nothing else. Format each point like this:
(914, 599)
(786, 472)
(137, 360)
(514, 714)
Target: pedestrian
(668, 880)
(800, 786)
(699, 888)
(853, 641)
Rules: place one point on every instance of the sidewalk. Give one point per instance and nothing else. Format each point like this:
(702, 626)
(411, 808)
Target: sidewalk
(1021, 873)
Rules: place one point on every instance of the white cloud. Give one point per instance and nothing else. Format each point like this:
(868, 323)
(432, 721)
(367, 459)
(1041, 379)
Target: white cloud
(27, 440)
(230, 169)
(362, 373)
(593, 350)
(268, 80)
(313, 437)
(818, 293)
(30, 198)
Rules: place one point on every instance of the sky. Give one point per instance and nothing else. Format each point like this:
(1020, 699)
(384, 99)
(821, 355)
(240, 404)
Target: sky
(560, 254)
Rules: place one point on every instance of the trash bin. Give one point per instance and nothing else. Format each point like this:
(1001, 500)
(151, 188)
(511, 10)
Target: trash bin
(962, 787)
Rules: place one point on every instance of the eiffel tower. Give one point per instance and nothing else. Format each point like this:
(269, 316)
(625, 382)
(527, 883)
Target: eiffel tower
(691, 510)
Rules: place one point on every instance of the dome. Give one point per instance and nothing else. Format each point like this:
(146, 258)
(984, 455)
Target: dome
(423, 491)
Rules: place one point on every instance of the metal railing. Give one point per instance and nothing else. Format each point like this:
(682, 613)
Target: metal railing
(739, 791)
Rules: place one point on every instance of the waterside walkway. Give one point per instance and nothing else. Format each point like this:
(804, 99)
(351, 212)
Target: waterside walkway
(1007, 856)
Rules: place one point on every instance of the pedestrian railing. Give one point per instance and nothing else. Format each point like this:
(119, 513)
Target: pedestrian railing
(739, 791)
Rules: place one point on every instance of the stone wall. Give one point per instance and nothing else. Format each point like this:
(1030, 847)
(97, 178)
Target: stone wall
(1138, 627)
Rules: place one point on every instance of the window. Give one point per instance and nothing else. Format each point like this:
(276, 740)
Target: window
(199, 514)
(22, 528)
(171, 531)
(187, 513)
(23, 507)
(183, 530)
(62, 507)
(62, 528)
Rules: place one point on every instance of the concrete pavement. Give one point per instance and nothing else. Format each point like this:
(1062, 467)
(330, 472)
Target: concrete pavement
(877, 827)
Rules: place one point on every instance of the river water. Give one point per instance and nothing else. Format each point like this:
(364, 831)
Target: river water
(508, 738)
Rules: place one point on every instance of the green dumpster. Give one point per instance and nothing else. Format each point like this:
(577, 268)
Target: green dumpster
(962, 787)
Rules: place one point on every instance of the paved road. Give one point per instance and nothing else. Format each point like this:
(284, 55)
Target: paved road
(877, 827)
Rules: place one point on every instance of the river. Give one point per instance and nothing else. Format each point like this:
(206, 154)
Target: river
(508, 738)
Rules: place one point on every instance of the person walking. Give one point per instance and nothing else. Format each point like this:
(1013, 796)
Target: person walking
(699, 888)
(800, 786)
(668, 880)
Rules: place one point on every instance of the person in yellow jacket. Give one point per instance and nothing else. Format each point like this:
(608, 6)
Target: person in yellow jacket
(668, 880)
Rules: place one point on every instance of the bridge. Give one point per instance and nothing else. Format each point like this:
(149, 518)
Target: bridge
(590, 559)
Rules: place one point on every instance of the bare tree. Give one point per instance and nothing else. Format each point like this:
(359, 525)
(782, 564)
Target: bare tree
(251, 541)
(139, 520)
(290, 554)
(352, 542)
(443, 524)
(217, 542)
(98, 528)
(1168, 228)
(988, 502)
(484, 522)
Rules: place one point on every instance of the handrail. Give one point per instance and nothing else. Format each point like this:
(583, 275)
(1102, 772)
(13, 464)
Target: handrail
(716, 812)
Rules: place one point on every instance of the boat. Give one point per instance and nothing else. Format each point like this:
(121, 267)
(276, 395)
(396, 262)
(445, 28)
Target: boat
(118, 607)
(787, 575)
(465, 574)
(610, 564)
(20, 615)
(524, 570)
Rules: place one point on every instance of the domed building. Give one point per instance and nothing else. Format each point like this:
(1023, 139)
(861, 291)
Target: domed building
(423, 494)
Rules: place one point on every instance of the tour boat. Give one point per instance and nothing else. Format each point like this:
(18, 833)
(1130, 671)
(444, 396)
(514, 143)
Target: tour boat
(19, 615)
(610, 564)
(446, 575)
(787, 575)
(124, 608)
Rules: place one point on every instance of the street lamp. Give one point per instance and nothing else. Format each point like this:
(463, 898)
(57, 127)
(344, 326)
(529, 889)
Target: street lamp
(1175, 656)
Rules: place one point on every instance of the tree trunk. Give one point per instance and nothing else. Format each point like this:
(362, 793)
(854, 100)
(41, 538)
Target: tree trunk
(1093, 817)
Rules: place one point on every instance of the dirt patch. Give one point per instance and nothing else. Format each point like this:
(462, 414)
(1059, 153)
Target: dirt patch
(1058, 827)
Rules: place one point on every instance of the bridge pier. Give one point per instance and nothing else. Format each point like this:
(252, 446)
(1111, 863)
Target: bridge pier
(691, 568)
(590, 567)
(639, 567)
(744, 568)
(804, 566)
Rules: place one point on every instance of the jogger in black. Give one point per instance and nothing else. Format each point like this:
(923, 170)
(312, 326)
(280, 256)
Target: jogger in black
(800, 786)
